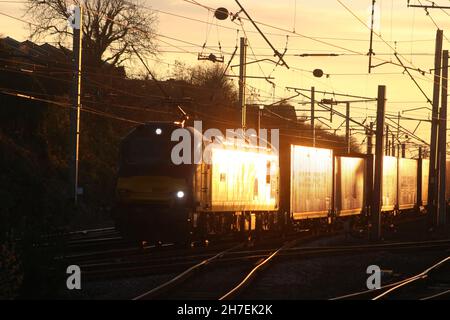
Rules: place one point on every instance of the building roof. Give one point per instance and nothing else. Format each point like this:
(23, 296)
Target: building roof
(29, 49)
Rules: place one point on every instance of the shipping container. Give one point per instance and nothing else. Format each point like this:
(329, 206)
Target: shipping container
(389, 194)
(407, 184)
(425, 182)
(350, 182)
(238, 179)
(311, 182)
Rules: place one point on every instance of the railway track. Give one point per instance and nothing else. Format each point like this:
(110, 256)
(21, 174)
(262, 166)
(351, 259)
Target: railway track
(255, 262)
(85, 233)
(264, 263)
(102, 255)
(114, 247)
(103, 243)
(143, 262)
(98, 243)
(433, 283)
(136, 259)
(164, 290)
(221, 271)
(92, 231)
(132, 249)
(78, 240)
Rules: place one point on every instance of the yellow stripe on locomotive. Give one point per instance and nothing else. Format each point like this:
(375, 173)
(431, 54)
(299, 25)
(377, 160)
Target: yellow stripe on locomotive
(150, 189)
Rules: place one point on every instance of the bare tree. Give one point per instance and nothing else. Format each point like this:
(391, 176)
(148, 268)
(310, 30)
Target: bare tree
(211, 77)
(110, 27)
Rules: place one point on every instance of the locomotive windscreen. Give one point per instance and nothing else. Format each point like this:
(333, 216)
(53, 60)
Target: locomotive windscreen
(145, 151)
(311, 182)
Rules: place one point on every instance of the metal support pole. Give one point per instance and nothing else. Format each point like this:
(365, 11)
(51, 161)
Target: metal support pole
(259, 121)
(443, 143)
(260, 111)
(419, 179)
(347, 127)
(242, 76)
(370, 54)
(378, 180)
(398, 135)
(433, 180)
(387, 141)
(403, 150)
(313, 117)
(369, 139)
(368, 190)
(76, 22)
(393, 145)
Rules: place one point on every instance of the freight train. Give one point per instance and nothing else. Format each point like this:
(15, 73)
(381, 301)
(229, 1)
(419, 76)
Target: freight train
(244, 188)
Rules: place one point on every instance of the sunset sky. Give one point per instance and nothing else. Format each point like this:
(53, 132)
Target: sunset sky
(329, 28)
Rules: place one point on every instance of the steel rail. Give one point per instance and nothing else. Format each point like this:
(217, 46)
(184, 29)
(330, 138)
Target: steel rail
(251, 275)
(184, 275)
(388, 289)
(437, 295)
(412, 279)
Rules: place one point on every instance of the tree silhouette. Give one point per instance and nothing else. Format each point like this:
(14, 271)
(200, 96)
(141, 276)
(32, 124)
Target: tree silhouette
(110, 27)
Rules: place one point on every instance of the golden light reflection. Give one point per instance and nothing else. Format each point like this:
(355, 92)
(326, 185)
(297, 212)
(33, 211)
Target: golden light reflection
(311, 182)
(407, 195)
(389, 194)
(243, 180)
(350, 185)
(425, 173)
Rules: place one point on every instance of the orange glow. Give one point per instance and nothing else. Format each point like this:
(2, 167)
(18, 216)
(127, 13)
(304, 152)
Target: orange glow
(425, 173)
(407, 196)
(243, 180)
(311, 182)
(389, 199)
(350, 185)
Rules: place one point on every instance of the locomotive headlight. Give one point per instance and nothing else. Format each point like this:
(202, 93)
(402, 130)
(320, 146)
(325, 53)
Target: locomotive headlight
(180, 194)
(158, 131)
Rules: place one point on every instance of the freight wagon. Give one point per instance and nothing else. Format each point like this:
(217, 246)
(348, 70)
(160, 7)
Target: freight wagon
(239, 187)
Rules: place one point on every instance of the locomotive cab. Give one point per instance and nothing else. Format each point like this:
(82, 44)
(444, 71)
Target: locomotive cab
(153, 194)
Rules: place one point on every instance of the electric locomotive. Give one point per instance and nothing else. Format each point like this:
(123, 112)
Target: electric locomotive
(210, 187)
